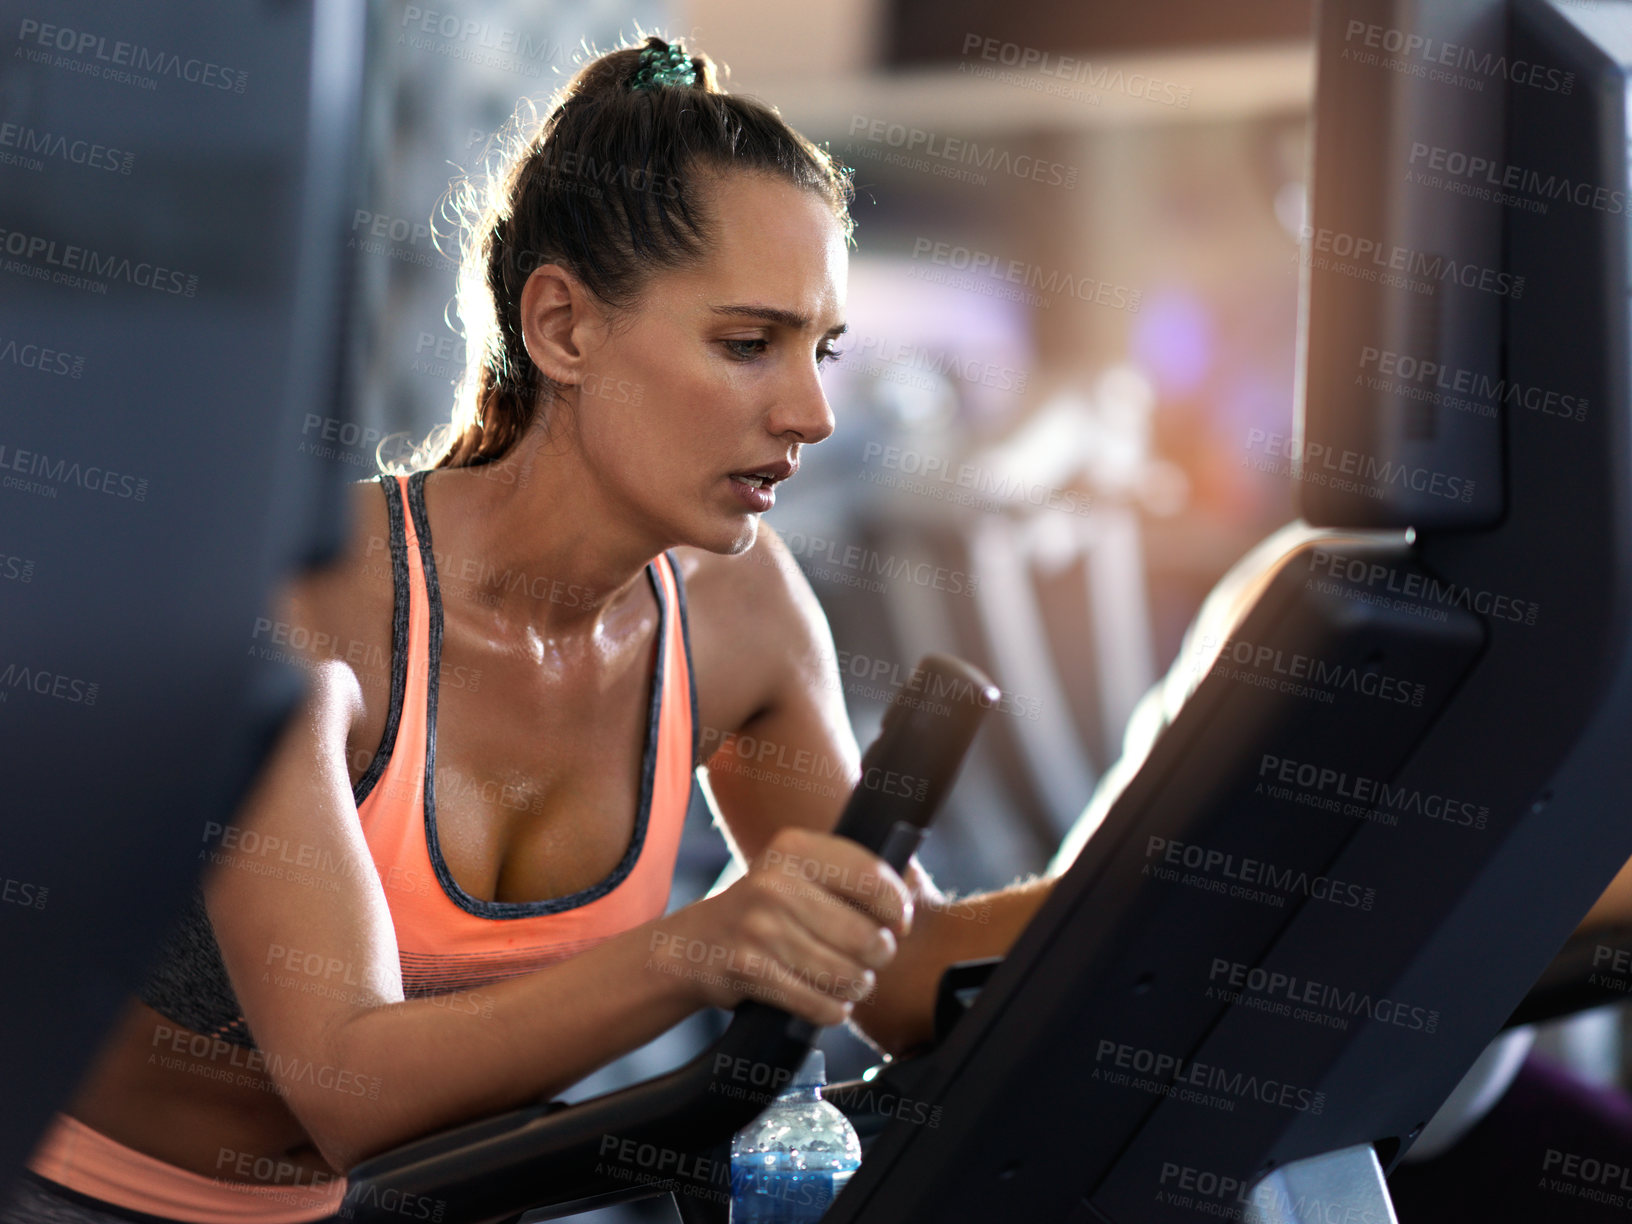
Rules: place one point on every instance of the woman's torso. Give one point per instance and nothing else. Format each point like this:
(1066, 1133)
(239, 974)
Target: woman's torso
(539, 749)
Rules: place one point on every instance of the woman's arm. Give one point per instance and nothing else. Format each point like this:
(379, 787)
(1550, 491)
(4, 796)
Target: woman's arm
(313, 959)
(312, 956)
(794, 762)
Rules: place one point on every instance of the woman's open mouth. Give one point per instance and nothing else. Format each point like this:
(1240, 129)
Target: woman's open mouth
(757, 489)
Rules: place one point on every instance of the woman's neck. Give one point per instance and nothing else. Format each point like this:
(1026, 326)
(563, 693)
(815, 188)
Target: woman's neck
(535, 541)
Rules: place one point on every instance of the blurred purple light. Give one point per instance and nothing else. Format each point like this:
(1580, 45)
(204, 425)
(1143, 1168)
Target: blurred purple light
(1173, 341)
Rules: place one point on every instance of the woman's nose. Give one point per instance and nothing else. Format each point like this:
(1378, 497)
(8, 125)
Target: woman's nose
(804, 411)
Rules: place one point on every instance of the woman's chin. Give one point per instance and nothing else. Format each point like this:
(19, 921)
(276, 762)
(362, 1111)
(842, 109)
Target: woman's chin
(728, 537)
(738, 538)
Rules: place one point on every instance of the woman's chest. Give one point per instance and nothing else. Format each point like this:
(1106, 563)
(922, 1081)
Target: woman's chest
(545, 762)
(538, 792)
(527, 782)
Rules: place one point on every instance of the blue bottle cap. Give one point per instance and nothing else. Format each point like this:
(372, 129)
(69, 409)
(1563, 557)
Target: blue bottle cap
(812, 1071)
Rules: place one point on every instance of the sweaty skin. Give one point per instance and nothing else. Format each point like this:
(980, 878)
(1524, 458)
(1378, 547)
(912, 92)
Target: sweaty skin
(716, 372)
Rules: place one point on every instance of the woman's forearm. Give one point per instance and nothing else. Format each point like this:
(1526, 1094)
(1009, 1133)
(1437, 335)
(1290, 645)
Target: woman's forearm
(445, 1060)
(900, 1015)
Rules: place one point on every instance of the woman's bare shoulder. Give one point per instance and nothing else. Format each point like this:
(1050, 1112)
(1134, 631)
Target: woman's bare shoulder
(760, 587)
(766, 562)
(754, 623)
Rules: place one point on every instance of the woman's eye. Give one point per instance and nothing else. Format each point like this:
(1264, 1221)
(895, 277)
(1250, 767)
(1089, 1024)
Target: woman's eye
(747, 350)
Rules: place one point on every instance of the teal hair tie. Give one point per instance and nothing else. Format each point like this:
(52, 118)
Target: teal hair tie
(666, 65)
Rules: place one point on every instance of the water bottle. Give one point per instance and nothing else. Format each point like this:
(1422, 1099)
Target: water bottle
(790, 1163)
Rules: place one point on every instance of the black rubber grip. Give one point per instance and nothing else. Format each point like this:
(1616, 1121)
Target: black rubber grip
(908, 770)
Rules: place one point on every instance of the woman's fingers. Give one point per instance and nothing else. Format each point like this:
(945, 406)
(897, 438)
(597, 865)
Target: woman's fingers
(834, 922)
(802, 974)
(807, 929)
(841, 867)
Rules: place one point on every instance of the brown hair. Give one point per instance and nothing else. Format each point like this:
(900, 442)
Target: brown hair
(608, 186)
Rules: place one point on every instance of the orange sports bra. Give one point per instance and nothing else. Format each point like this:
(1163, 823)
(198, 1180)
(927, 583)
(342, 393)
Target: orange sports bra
(447, 940)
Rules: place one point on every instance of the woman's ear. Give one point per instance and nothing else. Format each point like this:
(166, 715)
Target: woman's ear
(560, 325)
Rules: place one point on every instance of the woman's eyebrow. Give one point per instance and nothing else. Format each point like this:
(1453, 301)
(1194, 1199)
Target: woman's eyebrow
(791, 319)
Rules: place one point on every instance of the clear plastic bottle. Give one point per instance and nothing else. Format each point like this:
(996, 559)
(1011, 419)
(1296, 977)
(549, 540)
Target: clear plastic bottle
(789, 1164)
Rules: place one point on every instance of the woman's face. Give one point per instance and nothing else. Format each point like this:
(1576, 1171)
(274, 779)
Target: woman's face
(716, 373)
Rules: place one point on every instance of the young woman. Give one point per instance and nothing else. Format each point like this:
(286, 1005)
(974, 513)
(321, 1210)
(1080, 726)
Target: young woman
(444, 897)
